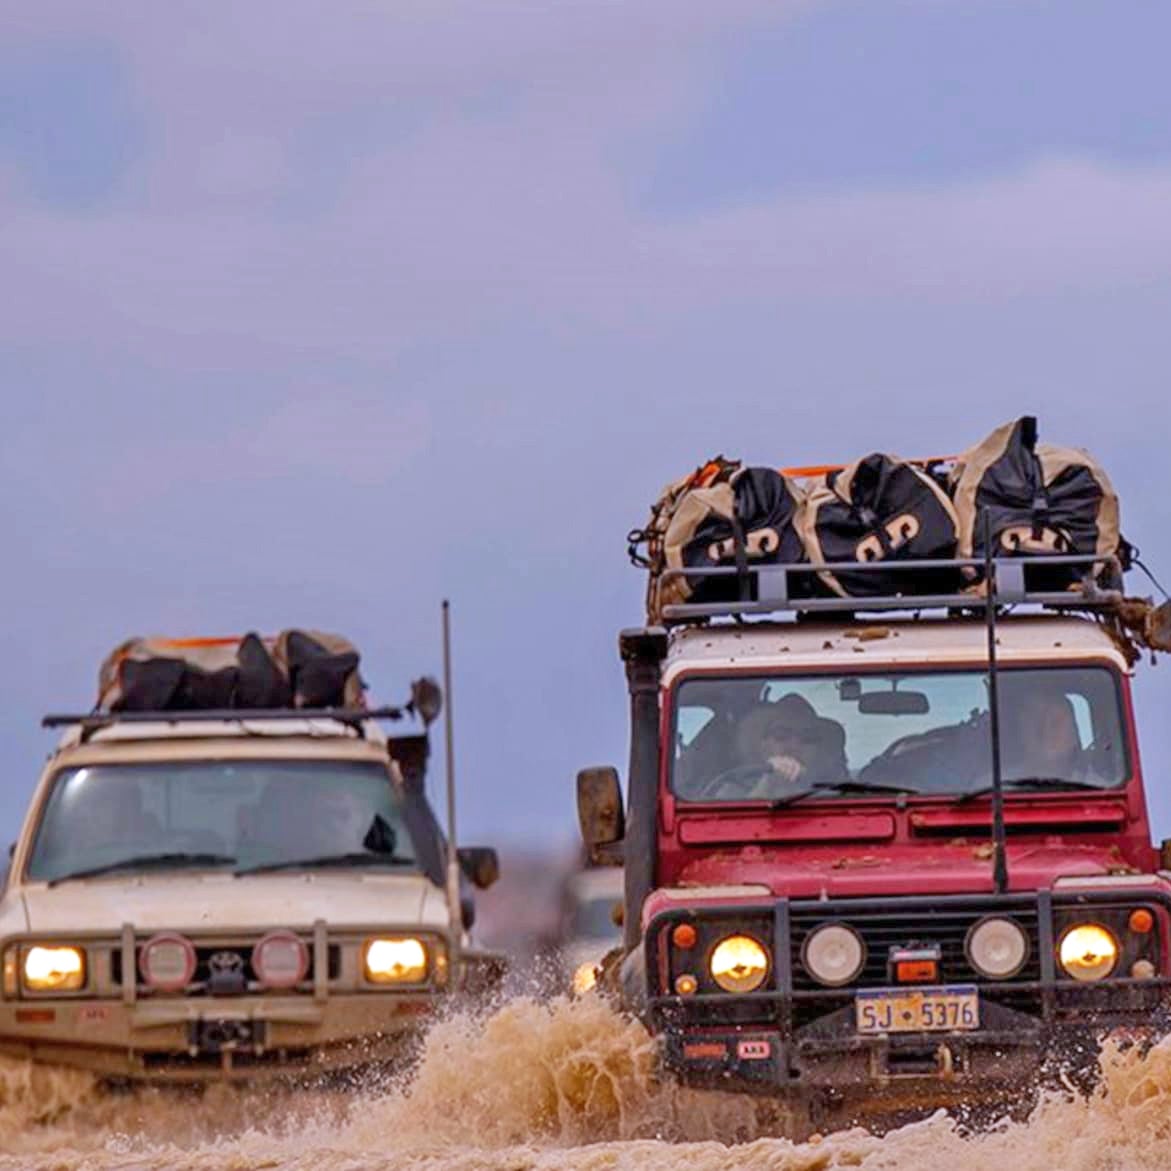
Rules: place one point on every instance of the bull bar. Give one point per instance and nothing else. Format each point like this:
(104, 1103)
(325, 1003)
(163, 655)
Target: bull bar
(828, 1052)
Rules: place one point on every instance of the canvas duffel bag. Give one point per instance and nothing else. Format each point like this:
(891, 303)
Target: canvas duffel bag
(723, 515)
(297, 668)
(880, 509)
(322, 669)
(1042, 500)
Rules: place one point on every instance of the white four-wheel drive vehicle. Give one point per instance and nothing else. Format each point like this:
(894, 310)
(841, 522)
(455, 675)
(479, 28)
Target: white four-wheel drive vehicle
(203, 892)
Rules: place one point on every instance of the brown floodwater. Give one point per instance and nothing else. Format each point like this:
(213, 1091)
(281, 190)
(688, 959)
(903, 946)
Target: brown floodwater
(547, 1086)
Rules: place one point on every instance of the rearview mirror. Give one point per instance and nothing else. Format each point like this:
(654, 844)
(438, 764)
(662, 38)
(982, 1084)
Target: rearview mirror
(894, 703)
(600, 813)
(480, 863)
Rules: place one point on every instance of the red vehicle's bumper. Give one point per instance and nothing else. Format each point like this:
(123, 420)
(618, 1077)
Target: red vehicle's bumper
(793, 1037)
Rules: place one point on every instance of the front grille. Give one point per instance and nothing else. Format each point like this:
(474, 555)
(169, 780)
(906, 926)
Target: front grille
(904, 926)
(243, 948)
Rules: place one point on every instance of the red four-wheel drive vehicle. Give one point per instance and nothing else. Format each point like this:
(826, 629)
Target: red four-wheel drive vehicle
(836, 891)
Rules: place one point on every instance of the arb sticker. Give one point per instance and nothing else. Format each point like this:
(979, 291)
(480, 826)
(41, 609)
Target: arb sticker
(754, 1050)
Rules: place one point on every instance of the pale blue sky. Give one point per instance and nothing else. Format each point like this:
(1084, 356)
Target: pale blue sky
(315, 313)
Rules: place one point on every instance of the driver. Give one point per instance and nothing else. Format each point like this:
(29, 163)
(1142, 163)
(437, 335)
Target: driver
(792, 743)
(307, 821)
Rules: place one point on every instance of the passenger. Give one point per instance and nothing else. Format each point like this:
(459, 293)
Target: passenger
(1043, 738)
(115, 816)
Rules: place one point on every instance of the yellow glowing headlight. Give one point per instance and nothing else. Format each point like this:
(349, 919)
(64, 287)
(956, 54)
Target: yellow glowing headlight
(1088, 952)
(585, 978)
(54, 969)
(395, 961)
(739, 964)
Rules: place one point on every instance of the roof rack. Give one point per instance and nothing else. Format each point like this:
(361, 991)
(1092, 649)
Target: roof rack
(344, 715)
(776, 589)
(91, 722)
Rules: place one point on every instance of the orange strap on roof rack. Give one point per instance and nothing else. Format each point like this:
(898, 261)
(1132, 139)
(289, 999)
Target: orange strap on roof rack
(825, 469)
(198, 642)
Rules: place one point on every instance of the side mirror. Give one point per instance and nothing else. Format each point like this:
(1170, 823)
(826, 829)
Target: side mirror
(600, 814)
(480, 863)
(1165, 854)
(1159, 627)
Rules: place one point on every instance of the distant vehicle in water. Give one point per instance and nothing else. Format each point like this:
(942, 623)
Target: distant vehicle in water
(236, 890)
(589, 926)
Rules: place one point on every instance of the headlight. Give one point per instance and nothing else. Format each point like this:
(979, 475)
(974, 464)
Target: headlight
(1088, 952)
(834, 954)
(585, 977)
(739, 964)
(54, 969)
(395, 961)
(997, 948)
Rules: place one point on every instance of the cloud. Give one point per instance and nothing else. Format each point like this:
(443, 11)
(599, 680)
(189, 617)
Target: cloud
(380, 313)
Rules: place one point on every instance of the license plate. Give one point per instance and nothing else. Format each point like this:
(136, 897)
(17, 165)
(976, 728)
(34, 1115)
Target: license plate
(955, 1008)
(214, 1036)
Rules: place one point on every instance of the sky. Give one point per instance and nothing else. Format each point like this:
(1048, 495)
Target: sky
(314, 314)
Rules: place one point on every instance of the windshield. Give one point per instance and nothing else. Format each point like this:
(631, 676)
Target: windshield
(594, 918)
(233, 814)
(771, 739)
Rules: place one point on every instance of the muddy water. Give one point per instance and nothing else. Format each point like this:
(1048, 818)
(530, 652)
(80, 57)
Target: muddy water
(547, 1087)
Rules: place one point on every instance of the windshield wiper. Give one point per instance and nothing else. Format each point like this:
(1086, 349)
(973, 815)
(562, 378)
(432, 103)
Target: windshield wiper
(321, 861)
(844, 786)
(171, 859)
(1039, 783)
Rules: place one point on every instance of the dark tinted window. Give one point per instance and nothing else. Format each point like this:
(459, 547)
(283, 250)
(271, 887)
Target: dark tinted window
(750, 738)
(255, 812)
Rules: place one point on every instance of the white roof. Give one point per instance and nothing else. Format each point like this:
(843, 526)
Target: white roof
(596, 883)
(180, 729)
(902, 641)
(183, 740)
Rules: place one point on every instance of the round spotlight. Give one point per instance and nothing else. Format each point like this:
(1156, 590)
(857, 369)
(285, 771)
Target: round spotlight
(1088, 952)
(739, 964)
(167, 962)
(280, 960)
(997, 948)
(834, 954)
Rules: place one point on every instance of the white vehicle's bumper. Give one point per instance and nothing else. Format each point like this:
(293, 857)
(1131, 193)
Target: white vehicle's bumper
(208, 1038)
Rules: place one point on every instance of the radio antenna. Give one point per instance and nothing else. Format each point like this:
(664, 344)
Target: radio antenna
(454, 908)
(999, 844)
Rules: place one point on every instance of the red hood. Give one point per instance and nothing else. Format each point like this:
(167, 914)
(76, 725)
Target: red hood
(856, 871)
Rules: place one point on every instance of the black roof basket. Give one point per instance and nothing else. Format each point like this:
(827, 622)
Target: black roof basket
(353, 716)
(783, 589)
(425, 703)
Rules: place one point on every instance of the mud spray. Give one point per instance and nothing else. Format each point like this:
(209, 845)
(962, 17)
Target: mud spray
(546, 1086)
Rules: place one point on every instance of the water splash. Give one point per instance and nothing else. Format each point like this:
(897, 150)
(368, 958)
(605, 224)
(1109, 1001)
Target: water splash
(537, 1086)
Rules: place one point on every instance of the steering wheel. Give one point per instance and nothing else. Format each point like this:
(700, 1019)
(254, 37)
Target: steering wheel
(738, 778)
